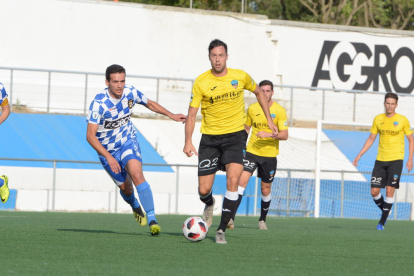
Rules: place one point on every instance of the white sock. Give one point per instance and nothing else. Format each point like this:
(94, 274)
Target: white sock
(389, 200)
(377, 197)
(231, 195)
(267, 198)
(241, 190)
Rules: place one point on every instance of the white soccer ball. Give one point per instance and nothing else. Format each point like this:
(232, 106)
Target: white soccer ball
(195, 229)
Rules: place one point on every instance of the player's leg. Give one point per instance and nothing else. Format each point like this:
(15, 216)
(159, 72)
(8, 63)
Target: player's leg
(205, 185)
(266, 172)
(123, 181)
(134, 169)
(209, 162)
(244, 180)
(4, 188)
(233, 173)
(378, 181)
(264, 204)
(394, 170)
(127, 193)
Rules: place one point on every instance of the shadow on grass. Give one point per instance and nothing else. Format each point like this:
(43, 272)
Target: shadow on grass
(98, 231)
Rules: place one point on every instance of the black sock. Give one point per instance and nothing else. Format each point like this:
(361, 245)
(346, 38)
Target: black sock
(385, 212)
(380, 202)
(264, 210)
(237, 207)
(208, 199)
(229, 208)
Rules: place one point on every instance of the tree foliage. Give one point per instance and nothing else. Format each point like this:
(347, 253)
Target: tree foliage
(393, 14)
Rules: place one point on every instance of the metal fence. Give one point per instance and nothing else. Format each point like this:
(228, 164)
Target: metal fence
(57, 91)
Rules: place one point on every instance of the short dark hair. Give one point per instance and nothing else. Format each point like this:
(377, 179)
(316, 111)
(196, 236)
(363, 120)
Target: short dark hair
(266, 82)
(216, 43)
(114, 68)
(391, 95)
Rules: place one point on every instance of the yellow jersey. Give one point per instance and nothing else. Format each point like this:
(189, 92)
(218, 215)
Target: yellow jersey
(266, 147)
(391, 136)
(222, 100)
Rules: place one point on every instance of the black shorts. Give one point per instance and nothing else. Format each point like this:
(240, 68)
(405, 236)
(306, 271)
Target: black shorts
(267, 166)
(216, 151)
(386, 173)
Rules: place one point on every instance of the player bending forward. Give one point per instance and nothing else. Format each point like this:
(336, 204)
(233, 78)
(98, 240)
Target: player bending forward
(389, 164)
(220, 92)
(5, 112)
(111, 133)
(262, 149)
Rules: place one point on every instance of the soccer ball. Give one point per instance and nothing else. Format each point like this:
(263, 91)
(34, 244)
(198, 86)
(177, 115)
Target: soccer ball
(195, 229)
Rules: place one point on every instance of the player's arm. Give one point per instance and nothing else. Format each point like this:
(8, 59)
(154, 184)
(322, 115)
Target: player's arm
(365, 148)
(5, 112)
(156, 107)
(189, 149)
(410, 139)
(94, 142)
(263, 103)
(281, 135)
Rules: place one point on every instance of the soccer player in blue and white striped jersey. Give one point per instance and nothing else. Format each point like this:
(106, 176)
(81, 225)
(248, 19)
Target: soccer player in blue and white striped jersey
(5, 112)
(111, 133)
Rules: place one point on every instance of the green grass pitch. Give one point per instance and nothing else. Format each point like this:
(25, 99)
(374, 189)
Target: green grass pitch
(114, 244)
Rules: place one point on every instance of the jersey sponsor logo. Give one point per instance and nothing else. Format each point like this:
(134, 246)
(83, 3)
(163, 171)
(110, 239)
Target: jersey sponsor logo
(235, 83)
(260, 125)
(117, 123)
(212, 89)
(208, 164)
(390, 132)
(350, 62)
(376, 180)
(95, 115)
(226, 97)
(130, 103)
(395, 124)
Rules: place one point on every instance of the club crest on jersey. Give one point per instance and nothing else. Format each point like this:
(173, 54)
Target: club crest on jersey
(273, 116)
(235, 83)
(395, 124)
(130, 103)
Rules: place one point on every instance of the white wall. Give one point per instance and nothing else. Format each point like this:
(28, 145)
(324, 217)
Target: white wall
(88, 35)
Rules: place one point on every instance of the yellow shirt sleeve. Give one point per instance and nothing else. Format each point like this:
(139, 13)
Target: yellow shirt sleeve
(196, 96)
(282, 121)
(4, 103)
(250, 83)
(374, 128)
(407, 129)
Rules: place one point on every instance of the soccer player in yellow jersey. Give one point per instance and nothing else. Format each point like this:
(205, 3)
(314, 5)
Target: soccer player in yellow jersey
(262, 149)
(5, 112)
(220, 92)
(391, 128)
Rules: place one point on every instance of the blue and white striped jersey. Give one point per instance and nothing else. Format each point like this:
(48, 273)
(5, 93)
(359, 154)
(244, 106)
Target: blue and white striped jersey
(113, 117)
(3, 96)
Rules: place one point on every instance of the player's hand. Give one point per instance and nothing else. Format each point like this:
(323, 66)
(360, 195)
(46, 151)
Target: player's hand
(264, 134)
(113, 164)
(273, 127)
(409, 165)
(178, 117)
(355, 162)
(189, 149)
